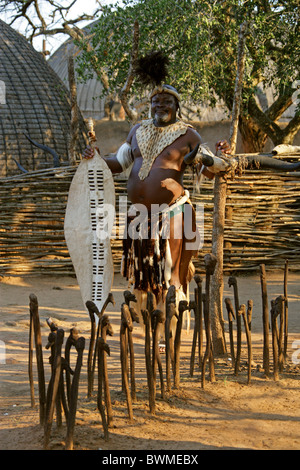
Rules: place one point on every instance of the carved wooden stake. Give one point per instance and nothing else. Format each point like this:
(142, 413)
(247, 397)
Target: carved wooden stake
(242, 311)
(34, 314)
(126, 325)
(158, 320)
(231, 316)
(106, 329)
(79, 345)
(274, 340)
(198, 281)
(170, 312)
(109, 300)
(134, 318)
(102, 348)
(210, 264)
(53, 386)
(277, 310)
(279, 305)
(193, 305)
(182, 307)
(92, 309)
(233, 282)
(150, 382)
(266, 324)
(249, 312)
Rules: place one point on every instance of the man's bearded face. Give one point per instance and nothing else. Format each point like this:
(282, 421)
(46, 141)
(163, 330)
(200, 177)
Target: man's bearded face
(163, 108)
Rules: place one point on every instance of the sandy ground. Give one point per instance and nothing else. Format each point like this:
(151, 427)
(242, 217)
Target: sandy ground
(226, 414)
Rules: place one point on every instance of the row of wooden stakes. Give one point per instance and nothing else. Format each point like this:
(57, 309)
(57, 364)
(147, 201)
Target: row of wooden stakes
(62, 391)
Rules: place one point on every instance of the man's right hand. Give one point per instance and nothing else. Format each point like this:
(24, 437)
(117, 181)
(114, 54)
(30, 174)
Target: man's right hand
(88, 153)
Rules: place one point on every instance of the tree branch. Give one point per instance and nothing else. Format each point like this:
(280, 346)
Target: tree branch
(263, 121)
(290, 131)
(131, 113)
(238, 86)
(282, 103)
(100, 72)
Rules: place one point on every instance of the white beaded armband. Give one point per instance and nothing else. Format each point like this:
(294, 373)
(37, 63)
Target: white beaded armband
(124, 156)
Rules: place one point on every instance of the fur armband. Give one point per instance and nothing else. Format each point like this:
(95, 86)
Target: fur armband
(124, 156)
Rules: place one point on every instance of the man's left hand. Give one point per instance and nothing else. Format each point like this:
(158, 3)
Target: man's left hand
(223, 146)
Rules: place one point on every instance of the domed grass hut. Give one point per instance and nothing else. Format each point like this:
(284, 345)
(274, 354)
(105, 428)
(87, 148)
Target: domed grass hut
(33, 101)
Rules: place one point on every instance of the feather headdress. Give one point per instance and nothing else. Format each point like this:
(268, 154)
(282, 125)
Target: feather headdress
(152, 70)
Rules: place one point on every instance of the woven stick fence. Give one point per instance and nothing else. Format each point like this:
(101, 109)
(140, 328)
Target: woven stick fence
(262, 224)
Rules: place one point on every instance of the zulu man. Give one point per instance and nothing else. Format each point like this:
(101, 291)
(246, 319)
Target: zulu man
(158, 257)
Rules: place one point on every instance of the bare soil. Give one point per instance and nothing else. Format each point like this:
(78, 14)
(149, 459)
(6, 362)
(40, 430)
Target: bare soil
(225, 414)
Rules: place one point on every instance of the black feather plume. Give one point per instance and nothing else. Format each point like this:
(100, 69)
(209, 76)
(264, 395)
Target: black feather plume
(152, 69)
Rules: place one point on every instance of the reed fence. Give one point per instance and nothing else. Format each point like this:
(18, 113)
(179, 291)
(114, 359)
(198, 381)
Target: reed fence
(262, 221)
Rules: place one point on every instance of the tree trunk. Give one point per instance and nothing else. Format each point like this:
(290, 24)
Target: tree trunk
(253, 139)
(217, 284)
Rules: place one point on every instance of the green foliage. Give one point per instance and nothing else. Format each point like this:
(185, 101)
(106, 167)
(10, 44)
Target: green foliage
(201, 37)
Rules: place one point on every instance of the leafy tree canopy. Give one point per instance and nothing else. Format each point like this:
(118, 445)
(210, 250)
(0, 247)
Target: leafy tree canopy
(200, 38)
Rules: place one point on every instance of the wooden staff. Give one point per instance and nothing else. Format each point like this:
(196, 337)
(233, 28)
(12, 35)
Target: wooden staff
(102, 348)
(150, 381)
(170, 313)
(158, 320)
(231, 316)
(126, 325)
(79, 346)
(233, 282)
(210, 262)
(106, 330)
(34, 314)
(242, 311)
(266, 323)
(53, 386)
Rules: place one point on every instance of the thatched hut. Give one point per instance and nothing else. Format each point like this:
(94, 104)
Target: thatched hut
(33, 101)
